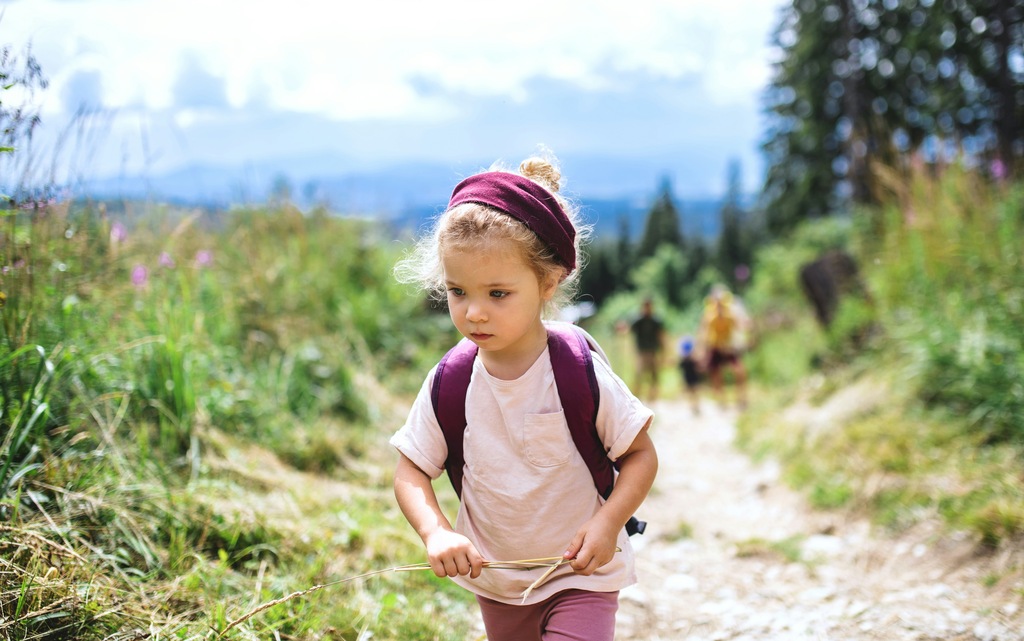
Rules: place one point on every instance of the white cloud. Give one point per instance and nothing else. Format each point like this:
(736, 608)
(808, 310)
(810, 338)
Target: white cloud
(222, 82)
(351, 61)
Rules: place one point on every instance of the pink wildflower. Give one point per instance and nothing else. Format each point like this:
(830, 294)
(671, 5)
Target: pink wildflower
(165, 260)
(140, 276)
(204, 258)
(999, 171)
(118, 233)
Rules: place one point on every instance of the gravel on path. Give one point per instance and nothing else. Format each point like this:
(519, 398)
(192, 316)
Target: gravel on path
(732, 553)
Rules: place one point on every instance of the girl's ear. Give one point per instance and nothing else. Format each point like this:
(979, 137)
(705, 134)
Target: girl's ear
(549, 284)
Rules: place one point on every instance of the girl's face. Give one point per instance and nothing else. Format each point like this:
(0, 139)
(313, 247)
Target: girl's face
(495, 299)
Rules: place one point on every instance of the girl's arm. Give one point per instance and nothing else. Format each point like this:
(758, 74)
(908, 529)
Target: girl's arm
(449, 553)
(594, 543)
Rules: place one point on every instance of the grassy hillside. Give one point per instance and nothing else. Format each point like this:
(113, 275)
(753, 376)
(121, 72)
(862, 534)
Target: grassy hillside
(193, 425)
(195, 407)
(911, 405)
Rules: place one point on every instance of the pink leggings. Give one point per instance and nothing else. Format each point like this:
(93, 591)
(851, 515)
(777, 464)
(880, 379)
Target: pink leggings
(571, 615)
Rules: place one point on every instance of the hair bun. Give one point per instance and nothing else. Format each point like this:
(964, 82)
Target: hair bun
(541, 171)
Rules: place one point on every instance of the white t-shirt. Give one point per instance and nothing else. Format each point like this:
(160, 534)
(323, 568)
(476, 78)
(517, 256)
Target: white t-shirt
(526, 489)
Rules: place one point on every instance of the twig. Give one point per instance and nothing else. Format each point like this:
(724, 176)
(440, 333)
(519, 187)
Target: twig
(544, 577)
(270, 604)
(39, 537)
(315, 588)
(46, 609)
(551, 563)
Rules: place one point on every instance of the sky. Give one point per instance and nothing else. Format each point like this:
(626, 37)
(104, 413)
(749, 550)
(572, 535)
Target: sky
(343, 86)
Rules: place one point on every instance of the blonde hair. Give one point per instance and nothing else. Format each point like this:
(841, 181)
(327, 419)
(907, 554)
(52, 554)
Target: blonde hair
(472, 225)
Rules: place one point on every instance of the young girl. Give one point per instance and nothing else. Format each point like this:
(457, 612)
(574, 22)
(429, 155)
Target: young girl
(502, 251)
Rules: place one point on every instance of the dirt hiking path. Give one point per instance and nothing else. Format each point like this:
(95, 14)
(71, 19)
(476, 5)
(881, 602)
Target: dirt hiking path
(759, 564)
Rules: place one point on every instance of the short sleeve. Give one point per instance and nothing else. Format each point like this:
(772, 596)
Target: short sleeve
(421, 439)
(621, 415)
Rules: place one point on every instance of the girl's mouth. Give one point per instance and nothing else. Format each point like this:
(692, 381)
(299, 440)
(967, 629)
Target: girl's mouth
(480, 337)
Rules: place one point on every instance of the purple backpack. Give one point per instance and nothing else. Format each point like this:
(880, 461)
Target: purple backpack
(573, 365)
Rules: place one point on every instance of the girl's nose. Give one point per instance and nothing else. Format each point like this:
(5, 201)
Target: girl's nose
(475, 313)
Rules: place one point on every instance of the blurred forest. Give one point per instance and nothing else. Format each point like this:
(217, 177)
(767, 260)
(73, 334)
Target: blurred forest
(865, 94)
(166, 372)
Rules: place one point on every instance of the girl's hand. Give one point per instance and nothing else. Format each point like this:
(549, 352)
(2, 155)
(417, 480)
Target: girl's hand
(452, 554)
(593, 546)
(594, 543)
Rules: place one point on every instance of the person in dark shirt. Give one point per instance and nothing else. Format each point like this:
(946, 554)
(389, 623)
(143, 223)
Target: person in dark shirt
(649, 336)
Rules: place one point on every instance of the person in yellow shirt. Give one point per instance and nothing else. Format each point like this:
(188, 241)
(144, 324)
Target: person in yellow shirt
(723, 330)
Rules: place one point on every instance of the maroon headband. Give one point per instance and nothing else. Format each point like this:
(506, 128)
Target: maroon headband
(527, 202)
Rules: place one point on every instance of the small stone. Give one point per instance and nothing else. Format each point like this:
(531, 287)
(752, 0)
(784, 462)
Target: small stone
(681, 583)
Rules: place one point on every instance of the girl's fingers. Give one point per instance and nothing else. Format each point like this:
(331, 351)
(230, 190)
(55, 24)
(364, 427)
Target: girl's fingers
(477, 566)
(588, 568)
(437, 565)
(451, 568)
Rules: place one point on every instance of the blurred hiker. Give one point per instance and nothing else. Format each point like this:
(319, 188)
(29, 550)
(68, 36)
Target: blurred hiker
(649, 337)
(689, 368)
(723, 335)
(501, 254)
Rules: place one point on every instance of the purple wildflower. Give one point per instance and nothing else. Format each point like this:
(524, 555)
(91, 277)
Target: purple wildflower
(742, 273)
(204, 258)
(118, 233)
(165, 260)
(999, 169)
(140, 276)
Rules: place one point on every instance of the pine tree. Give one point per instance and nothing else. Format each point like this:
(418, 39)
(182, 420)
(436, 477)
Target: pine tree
(867, 83)
(735, 242)
(662, 226)
(609, 263)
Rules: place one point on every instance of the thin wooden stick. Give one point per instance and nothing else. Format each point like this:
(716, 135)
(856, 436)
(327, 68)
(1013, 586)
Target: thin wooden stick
(550, 562)
(555, 562)
(544, 577)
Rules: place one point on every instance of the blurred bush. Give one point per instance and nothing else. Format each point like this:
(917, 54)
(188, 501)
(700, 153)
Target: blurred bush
(950, 275)
(244, 321)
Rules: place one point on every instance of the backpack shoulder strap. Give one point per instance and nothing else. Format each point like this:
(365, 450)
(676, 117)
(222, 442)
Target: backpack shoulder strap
(576, 382)
(448, 396)
(572, 361)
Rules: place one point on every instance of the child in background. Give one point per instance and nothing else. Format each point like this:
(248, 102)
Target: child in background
(501, 254)
(690, 370)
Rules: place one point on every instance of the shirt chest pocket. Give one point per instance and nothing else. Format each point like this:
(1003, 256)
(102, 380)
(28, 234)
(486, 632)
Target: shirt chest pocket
(546, 439)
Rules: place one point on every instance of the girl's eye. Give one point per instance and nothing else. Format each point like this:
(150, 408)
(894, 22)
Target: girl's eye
(455, 291)
(498, 294)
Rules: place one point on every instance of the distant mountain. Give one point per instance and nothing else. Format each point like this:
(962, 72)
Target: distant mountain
(609, 216)
(613, 193)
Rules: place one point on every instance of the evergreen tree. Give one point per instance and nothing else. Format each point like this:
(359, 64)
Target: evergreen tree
(599, 280)
(735, 242)
(609, 263)
(663, 276)
(626, 253)
(662, 226)
(801, 143)
(867, 83)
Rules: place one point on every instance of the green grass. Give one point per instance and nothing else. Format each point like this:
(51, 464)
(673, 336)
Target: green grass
(182, 448)
(681, 532)
(193, 424)
(788, 549)
(923, 419)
